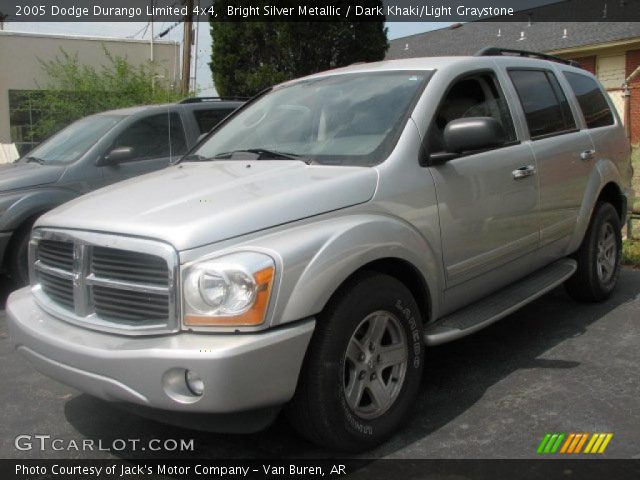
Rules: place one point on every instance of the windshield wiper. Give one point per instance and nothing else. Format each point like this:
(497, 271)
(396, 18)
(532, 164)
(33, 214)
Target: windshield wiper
(263, 154)
(37, 160)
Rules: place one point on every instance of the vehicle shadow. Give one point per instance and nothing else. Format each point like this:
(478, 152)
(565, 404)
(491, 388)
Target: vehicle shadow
(456, 376)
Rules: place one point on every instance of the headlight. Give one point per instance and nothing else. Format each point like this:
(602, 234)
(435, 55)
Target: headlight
(233, 290)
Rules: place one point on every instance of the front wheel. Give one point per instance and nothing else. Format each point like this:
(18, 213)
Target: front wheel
(598, 257)
(17, 261)
(363, 367)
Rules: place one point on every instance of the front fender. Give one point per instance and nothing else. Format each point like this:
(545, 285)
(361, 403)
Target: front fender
(16, 207)
(317, 258)
(604, 171)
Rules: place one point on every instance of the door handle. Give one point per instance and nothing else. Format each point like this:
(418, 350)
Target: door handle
(588, 155)
(523, 172)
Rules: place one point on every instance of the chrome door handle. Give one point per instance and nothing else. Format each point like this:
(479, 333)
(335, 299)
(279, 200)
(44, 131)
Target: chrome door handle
(523, 172)
(588, 155)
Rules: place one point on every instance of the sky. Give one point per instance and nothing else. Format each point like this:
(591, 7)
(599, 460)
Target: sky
(141, 30)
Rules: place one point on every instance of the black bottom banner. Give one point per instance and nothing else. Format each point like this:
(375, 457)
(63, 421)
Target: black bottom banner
(570, 469)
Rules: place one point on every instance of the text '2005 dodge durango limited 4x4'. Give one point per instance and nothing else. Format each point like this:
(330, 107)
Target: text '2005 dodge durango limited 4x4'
(305, 254)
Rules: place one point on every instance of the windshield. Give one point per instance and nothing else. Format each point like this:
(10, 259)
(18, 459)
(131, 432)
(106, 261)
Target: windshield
(71, 143)
(348, 119)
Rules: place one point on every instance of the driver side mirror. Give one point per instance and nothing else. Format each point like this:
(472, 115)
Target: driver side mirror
(473, 133)
(116, 156)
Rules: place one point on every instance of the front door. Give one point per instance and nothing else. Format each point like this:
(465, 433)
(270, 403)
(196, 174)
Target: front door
(155, 139)
(487, 201)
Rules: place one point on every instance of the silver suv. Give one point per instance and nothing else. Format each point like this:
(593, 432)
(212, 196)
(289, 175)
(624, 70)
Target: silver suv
(307, 252)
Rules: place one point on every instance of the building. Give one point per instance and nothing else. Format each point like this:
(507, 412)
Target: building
(610, 50)
(21, 70)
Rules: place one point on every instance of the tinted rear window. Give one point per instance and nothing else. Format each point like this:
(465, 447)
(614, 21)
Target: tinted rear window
(594, 106)
(207, 119)
(545, 105)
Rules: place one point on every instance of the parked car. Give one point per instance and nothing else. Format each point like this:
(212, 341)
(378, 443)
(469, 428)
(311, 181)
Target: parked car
(93, 152)
(311, 247)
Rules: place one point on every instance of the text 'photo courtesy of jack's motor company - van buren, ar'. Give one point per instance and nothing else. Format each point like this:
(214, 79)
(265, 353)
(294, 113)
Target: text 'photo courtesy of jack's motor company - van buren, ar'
(122, 470)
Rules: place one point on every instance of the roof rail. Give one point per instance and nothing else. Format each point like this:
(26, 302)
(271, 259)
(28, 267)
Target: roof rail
(497, 52)
(212, 99)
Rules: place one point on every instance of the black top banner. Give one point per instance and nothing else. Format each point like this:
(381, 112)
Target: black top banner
(320, 10)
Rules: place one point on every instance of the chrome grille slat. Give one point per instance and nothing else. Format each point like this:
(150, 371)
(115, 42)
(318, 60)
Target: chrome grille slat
(122, 265)
(56, 254)
(58, 288)
(82, 278)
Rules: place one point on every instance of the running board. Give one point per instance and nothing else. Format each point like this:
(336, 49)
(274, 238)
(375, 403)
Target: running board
(488, 310)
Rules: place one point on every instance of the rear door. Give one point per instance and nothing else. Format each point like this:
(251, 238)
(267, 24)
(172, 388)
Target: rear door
(156, 139)
(563, 152)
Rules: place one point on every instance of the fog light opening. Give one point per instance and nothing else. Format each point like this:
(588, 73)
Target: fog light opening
(194, 383)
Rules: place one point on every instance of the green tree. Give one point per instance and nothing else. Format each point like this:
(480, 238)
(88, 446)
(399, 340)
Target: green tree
(74, 90)
(250, 56)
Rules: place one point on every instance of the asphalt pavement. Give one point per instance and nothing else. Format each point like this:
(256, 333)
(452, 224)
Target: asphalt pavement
(555, 366)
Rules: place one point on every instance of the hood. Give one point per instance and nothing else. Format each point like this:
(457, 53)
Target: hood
(14, 176)
(194, 204)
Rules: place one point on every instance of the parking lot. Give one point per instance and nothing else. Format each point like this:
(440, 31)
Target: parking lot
(556, 366)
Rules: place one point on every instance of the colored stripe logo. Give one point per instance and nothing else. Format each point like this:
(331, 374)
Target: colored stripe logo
(572, 443)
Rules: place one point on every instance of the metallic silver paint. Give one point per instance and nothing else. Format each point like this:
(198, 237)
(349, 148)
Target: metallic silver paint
(465, 226)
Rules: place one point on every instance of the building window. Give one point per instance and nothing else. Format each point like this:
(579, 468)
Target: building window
(23, 115)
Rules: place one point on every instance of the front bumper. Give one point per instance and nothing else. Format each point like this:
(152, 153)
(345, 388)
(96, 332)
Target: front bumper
(241, 372)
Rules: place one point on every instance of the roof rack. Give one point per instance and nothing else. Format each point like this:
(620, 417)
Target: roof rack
(212, 99)
(497, 52)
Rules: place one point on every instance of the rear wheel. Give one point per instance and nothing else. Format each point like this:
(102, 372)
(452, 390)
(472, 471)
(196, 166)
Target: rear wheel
(363, 367)
(598, 257)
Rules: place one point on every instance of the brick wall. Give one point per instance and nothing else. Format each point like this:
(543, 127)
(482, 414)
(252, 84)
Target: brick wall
(588, 63)
(633, 62)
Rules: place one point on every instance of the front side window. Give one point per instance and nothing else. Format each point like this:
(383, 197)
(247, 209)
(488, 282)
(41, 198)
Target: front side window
(545, 106)
(156, 136)
(344, 119)
(594, 106)
(477, 95)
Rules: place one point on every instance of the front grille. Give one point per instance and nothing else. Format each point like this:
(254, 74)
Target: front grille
(86, 281)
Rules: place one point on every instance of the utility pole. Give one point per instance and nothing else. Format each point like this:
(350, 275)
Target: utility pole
(151, 54)
(186, 47)
(195, 54)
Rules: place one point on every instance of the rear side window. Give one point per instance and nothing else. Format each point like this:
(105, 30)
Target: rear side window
(594, 106)
(545, 106)
(207, 119)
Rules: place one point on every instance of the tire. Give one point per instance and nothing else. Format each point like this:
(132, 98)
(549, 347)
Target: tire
(17, 256)
(321, 411)
(598, 257)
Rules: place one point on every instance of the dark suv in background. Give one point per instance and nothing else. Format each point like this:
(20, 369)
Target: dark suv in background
(91, 153)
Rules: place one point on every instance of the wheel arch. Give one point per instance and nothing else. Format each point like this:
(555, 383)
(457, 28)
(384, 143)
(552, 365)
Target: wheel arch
(367, 243)
(404, 272)
(604, 184)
